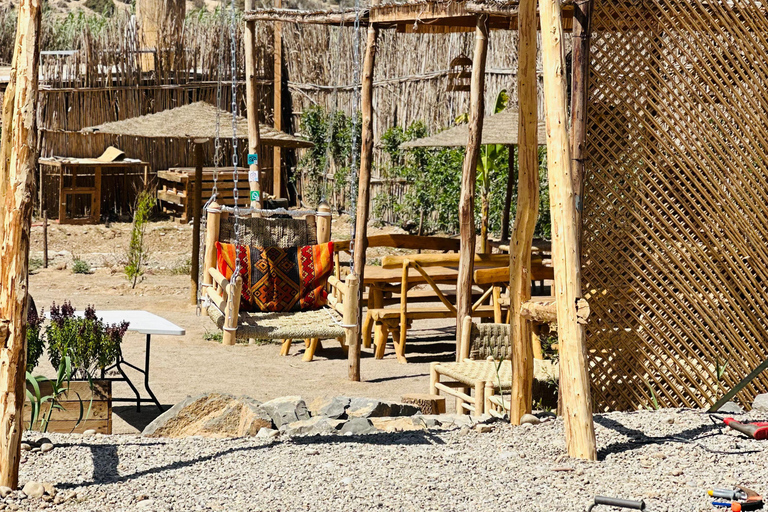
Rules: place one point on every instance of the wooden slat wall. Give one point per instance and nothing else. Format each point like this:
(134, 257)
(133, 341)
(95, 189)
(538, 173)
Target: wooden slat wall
(675, 225)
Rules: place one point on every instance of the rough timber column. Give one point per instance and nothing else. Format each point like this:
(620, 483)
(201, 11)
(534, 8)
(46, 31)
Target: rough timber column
(468, 178)
(364, 183)
(574, 379)
(526, 214)
(18, 157)
(251, 107)
(277, 158)
(157, 20)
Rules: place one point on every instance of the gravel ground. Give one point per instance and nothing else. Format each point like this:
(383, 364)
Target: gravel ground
(668, 458)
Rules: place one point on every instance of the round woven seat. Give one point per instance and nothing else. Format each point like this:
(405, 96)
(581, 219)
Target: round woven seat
(277, 326)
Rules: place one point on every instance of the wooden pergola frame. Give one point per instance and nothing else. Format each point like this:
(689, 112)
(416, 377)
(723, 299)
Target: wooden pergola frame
(566, 176)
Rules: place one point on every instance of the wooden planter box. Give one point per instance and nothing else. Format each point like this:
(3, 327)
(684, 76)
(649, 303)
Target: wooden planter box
(65, 420)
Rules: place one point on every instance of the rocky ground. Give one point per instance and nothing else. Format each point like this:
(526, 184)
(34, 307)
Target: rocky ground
(668, 458)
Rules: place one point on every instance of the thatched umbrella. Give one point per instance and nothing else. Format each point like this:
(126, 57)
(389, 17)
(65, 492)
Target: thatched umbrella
(499, 128)
(196, 121)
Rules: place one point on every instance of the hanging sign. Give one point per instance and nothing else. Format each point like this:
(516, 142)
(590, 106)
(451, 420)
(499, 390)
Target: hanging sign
(253, 158)
(254, 196)
(253, 176)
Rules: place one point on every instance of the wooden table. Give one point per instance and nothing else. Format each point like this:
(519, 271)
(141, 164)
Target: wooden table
(387, 280)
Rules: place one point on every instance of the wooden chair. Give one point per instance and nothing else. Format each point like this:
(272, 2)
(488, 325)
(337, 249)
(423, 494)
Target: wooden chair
(337, 321)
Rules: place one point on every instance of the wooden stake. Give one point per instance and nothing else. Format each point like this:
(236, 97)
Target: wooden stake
(18, 158)
(468, 178)
(197, 207)
(582, 22)
(45, 239)
(277, 159)
(363, 187)
(505, 214)
(525, 216)
(252, 107)
(574, 379)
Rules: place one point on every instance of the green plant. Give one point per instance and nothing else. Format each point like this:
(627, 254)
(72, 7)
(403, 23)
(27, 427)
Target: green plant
(91, 344)
(80, 266)
(35, 338)
(35, 264)
(654, 401)
(213, 336)
(58, 387)
(183, 268)
(720, 369)
(137, 253)
(104, 7)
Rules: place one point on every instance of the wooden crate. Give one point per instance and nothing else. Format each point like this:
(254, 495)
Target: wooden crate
(65, 420)
(175, 189)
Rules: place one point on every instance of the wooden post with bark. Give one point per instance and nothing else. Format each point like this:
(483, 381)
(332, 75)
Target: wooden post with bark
(18, 158)
(197, 209)
(582, 27)
(277, 111)
(252, 108)
(574, 378)
(363, 187)
(525, 218)
(469, 177)
(508, 195)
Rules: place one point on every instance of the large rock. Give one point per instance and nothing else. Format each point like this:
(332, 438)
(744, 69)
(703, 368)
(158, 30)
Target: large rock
(357, 426)
(760, 403)
(212, 415)
(731, 408)
(286, 409)
(316, 425)
(369, 408)
(399, 423)
(330, 407)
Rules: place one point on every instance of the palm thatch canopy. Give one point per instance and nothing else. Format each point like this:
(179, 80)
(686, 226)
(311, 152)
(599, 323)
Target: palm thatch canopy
(499, 128)
(194, 121)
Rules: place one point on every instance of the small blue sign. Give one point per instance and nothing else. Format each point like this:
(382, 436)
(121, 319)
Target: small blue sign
(253, 158)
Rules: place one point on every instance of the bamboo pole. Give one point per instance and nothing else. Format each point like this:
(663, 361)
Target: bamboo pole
(574, 379)
(277, 159)
(508, 195)
(197, 208)
(468, 178)
(18, 158)
(582, 22)
(45, 239)
(364, 186)
(525, 216)
(252, 108)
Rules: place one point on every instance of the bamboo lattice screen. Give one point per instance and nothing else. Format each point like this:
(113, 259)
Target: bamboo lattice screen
(675, 226)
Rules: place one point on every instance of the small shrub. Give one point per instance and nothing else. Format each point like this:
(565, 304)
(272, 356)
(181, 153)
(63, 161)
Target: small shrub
(81, 266)
(35, 338)
(103, 7)
(183, 268)
(213, 336)
(91, 344)
(137, 253)
(35, 264)
(58, 387)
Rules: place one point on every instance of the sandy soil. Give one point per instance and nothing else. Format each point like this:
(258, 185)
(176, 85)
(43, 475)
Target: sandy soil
(189, 365)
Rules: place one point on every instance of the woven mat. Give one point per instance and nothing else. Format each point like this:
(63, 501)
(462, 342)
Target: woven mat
(278, 326)
(469, 372)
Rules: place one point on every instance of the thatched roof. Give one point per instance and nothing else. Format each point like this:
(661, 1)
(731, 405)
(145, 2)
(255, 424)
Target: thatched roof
(194, 121)
(499, 128)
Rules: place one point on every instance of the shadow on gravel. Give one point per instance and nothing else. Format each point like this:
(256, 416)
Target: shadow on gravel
(415, 437)
(139, 420)
(638, 438)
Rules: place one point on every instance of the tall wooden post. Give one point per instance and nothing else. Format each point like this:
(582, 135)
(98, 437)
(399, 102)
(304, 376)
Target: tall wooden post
(582, 28)
(252, 108)
(197, 210)
(364, 184)
(277, 159)
(526, 214)
(508, 195)
(468, 178)
(574, 379)
(18, 157)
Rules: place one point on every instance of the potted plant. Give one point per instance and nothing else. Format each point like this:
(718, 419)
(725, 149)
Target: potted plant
(81, 347)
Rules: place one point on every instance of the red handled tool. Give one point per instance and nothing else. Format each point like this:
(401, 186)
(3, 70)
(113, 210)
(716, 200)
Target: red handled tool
(755, 430)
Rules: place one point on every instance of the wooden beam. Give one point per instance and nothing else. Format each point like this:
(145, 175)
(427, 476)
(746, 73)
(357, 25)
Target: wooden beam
(574, 379)
(545, 311)
(277, 111)
(252, 108)
(197, 211)
(468, 177)
(364, 187)
(525, 216)
(445, 260)
(336, 18)
(18, 159)
(582, 23)
(505, 214)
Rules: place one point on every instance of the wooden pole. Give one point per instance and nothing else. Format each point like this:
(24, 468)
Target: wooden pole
(525, 216)
(574, 379)
(197, 210)
(582, 23)
(277, 160)
(505, 215)
(468, 178)
(363, 187)
(18, 158)
(252, 108)
(45, 239)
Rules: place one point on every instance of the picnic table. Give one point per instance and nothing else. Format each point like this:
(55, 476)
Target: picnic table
(381, 281)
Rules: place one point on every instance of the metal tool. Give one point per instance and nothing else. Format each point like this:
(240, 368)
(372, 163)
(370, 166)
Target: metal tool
(617, 502)
(754, 430)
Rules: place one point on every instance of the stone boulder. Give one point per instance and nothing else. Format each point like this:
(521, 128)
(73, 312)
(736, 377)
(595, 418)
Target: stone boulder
(760, 403)
(315, 425)
(357, 426)
(286, 409)
(211, 415)
(399, 423)
(330, 407)
(370, 408)
(731, 408)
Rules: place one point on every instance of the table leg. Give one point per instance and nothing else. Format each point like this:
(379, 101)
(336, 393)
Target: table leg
(119, 365)
(146, 373)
